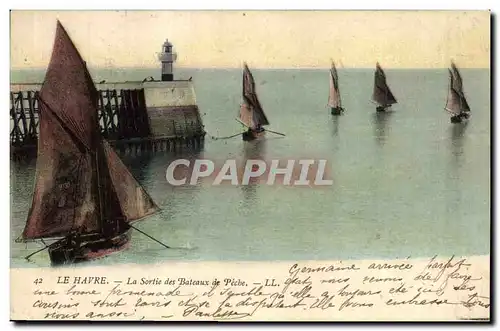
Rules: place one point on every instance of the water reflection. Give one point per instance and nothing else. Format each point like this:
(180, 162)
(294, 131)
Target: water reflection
(150, 170)
(160, 162)
(457, 132)
(457, 138)
(172, 224)
(23, 166)
(335, 126)
(381, 126)
(255, 150)
(22, 182)
(138, 165)
(456, 144)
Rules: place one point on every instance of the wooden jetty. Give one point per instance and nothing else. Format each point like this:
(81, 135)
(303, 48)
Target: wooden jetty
(134, 116)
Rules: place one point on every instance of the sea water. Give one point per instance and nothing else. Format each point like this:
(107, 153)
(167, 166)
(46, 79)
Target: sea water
(406, 183)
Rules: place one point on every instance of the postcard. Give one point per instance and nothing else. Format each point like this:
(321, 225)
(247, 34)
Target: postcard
(250, 165)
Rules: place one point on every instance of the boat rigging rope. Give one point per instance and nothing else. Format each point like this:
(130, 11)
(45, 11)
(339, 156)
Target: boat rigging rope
(237, 134)
(221, 138)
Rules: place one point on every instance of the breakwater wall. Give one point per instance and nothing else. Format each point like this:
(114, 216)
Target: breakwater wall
(153, 115)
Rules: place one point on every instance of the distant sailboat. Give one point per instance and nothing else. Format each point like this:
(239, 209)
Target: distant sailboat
(334, 100)
(251, 114)
(382, 95)
(456, 103)
(84, 196)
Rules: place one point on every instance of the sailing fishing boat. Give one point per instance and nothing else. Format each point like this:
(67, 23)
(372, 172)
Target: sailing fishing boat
(84, 196)
(456, 103)
(334, 100)
(251, 113)
(382, 95)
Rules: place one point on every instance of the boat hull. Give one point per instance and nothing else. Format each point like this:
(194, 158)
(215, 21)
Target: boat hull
(459, 118)
(382, 108)
(253, 135)
(91, 247)
(337, 110)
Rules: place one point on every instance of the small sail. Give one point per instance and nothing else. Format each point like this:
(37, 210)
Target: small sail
(251, 99)
(246, 115)
(453, 102)
(464, 104)
(134, 202)
(457, 79)
(457, 85)
(66, 192)
(381, 92)
(259, 116)
(335, 75)
(248, 81)
(334, 100)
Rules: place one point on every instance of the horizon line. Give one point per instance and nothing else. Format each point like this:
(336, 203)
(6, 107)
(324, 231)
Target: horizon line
(251, 67)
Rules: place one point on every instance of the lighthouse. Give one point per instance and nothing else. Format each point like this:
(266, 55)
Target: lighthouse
(167, 58)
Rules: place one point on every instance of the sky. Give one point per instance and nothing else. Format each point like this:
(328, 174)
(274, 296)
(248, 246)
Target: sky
(264, 39)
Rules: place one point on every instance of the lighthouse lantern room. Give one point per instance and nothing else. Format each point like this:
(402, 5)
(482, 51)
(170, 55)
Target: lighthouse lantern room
(167, 58)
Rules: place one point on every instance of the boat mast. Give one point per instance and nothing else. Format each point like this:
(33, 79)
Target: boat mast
(336, 85)
(99, 191)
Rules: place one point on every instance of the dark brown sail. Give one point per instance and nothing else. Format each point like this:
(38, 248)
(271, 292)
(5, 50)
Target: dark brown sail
(458, 86)
(457, 79)
(453, 99)
(382, 94)
(456, 102)
(334, 99)
(465, 104)
(66, 193)
(81, 184)
(251, 99)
